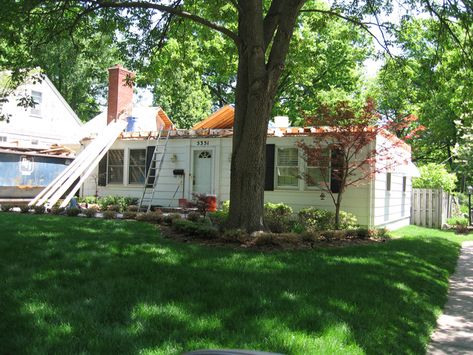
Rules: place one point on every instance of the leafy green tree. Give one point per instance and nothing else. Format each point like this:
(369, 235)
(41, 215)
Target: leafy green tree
(435, 176)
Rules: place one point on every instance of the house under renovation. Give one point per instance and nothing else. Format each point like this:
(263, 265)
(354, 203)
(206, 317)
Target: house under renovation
(176, 163)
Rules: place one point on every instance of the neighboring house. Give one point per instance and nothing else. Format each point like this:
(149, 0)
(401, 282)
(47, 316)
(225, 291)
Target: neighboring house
(204, 154)
(32, 143)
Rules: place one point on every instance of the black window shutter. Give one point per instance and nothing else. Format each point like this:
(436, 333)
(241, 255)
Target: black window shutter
(269, 172)
(336, 167)
(149, 158)
(102, 178)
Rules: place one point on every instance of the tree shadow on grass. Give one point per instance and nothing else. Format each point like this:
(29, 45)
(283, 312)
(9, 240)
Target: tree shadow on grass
(118, 287)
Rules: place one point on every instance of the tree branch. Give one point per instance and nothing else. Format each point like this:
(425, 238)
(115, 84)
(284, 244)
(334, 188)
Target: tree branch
(171, 10)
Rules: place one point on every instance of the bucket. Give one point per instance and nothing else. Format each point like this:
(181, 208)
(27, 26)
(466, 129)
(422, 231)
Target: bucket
(211, 203)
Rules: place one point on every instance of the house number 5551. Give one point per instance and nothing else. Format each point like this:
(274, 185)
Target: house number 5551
(202, 142)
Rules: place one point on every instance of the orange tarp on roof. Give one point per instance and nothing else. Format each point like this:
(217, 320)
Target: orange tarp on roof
(220, 119)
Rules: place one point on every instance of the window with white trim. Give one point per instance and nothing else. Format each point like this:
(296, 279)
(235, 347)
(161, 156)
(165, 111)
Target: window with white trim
(404, 184)
(287, 167)
(37, 98)
(388, 181)
(318, 172)
(137, 166)
(115, 166)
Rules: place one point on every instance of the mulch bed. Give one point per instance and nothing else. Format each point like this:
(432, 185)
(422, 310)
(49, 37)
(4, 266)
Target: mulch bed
(249, 244)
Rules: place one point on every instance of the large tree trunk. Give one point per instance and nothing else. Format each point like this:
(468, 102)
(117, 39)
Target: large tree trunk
(256, 87)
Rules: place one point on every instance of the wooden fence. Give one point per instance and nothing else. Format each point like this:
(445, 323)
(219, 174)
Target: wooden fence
(431, 208)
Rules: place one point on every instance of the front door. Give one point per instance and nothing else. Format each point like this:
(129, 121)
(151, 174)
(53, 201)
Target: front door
(202, 175)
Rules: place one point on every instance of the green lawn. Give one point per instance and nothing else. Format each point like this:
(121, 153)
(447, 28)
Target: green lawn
(74, 285)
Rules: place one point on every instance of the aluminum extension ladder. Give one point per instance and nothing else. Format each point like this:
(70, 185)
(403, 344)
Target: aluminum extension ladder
(154, 171)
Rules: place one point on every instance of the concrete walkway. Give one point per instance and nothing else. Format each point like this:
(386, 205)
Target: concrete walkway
(454, 334)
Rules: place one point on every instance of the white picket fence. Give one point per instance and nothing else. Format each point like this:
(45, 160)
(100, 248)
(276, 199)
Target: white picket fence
(431, 208)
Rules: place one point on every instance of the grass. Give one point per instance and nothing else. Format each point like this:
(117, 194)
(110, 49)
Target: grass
(75, 285)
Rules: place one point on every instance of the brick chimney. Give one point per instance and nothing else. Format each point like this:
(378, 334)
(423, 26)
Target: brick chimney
(120, 92)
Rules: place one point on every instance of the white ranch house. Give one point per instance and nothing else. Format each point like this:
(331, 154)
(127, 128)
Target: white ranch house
(203, 155)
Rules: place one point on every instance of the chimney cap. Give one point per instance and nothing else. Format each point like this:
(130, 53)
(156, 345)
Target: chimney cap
(121, 67)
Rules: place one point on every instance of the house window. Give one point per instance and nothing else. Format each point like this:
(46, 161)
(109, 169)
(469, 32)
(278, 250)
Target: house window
(137, 166)
(404, 184)
(37, 98)
(318, 172)
(287, 167)
(115, 166)
(388, 181)
(3, 138)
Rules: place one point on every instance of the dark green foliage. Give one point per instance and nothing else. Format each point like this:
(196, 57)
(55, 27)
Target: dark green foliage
(314, 219)
(150, 217)
(218, 218)
(39, 209)
(129, 215)
(234, 235)
(90, 212)
(195, 229)
(109, 214)
(171, 217)
(277, 217)
(362, 233)
(334, 234)
(278, 239)
(122, 202)
(6, 207)
(194, 216)
(24, 209)
(72, 212)
(57, 210)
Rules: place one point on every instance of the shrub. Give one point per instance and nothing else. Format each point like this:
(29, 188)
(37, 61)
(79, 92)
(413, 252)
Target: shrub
(334, 234)
(72, 212)
(90, 212)
(363, 233)
(130, 215)
(57, 210)
(314, 219)
(234, 235)
(89, 200)
(133, 208)
(277, 217)
(24, 209)
(109, 214)
(6, 208)
(382, 233)
(458, 221)
(114, 208)
(122, 202)
(195, 229)
(194, 216)
(202, 204)
(218, 218)
(170, 218)
(435, 176)
(226, 206)
(150, 217)
(39, 209)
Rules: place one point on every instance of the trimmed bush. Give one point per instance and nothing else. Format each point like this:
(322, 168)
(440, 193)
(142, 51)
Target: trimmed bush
(6, 208)
(56, 210)
(73, 212)
(218, 218)
(89, 200)
(25, 209)
(114, 208)
(150, 217)
(194, 216)
(122, 202)
(109, 214)
(90, 212)
(170, 218)
(334, 234)
(235, 235)
(132, 208)
(277, 217)
(39, 209)
(195, 229)
(314, 219)
(130, 215)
